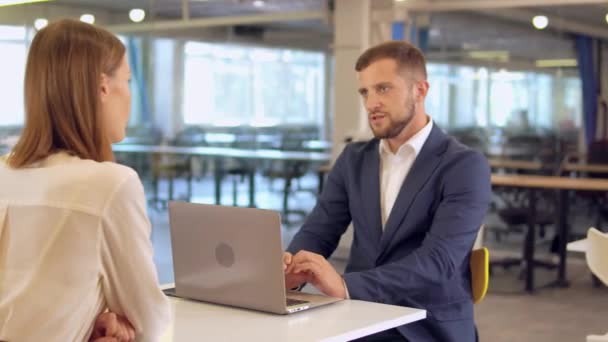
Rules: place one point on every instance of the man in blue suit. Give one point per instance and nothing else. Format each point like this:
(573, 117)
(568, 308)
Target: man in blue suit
(416, 199)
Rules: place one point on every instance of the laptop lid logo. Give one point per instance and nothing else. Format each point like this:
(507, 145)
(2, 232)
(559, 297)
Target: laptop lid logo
(224, 255)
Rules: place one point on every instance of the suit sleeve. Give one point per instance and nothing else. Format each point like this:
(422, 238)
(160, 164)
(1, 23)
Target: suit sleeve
(130, 282)
(330, 217)
(446, 246)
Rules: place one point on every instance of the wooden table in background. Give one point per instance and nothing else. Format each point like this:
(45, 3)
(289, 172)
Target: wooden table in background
(563, 185)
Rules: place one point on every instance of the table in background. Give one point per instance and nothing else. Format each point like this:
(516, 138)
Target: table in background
(563, 185)
(524, 165)
(585, 167)
(218, 154)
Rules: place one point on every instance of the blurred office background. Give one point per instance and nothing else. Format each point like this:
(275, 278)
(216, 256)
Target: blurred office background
(261, 95)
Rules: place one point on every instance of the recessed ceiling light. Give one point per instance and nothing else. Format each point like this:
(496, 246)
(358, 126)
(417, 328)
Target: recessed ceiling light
(40, 23)
(258, 3)
(540, 22)
(88, 18)
(556, 63)
(137, 15)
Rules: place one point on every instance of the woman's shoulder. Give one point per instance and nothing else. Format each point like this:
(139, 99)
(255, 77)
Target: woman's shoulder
(101, 172)
(102, 179)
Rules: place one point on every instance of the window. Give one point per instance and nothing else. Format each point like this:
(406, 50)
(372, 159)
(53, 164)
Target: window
(466, 96)
(228, 85)
(13, 44)
(133, 46)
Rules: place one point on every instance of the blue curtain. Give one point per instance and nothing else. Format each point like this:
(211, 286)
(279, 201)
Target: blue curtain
(397, 31)
(417, 34)
(139, 77)
(589, 78)
(423, 38)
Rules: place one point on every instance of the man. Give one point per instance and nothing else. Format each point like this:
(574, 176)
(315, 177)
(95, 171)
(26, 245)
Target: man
(416, 199)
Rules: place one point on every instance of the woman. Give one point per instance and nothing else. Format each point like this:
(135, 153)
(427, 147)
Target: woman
(74, 235)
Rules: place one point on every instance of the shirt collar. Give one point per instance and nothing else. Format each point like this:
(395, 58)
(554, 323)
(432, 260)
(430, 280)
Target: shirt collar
(415, 143)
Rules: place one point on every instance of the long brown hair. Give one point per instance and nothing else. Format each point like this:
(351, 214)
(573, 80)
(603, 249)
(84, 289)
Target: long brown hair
(64, 67)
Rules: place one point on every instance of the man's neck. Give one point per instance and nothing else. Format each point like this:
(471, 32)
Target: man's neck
(417, 123)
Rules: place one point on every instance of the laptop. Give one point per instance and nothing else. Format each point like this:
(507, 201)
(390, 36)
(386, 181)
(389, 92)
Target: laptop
(232, 256)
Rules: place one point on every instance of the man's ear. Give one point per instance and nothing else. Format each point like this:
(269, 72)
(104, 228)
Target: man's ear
(104, 87)
(421, 89)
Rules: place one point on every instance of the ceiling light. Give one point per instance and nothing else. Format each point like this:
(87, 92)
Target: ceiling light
(607, 18)
(137, 15)
(88, 18)
(496, 55)
(556, 63)
(20, 2)
(40, 23)
(540, 22)
(258, 3)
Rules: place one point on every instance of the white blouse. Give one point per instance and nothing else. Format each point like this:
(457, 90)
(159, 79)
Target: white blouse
(75, 240)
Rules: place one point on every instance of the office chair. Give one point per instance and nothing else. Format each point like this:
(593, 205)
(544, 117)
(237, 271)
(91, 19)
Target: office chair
(597, 260)
(479, 262)
(480, 273)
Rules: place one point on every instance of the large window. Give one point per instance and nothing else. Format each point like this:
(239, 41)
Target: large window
(465, 96)
(13, 44)
(237, 85)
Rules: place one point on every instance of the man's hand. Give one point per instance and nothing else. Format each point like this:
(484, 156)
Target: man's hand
(112, 327)
(292, 280)
(315, 269)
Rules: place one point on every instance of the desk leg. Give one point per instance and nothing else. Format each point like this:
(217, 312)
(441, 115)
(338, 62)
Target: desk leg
(530, 237)
(321, 175)
(189, 179)
(563, 237)
(252, 189)
(217, 172)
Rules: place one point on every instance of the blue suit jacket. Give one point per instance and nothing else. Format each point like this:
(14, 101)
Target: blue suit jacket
(421, 259)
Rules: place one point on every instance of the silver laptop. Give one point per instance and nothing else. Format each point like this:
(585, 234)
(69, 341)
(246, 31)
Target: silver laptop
(232, 256)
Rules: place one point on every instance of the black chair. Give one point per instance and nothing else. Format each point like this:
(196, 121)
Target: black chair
(239, 170)
(290, 171)
(173, 167)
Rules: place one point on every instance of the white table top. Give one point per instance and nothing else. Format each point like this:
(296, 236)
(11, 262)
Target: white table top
(342, 321)
(224, 152)
(579, 246)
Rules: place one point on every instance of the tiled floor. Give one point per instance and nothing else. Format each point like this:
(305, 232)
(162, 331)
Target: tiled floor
(507, 313)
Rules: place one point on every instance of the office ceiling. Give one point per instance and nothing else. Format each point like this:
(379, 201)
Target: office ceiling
(453, 34)
(201, 8)
(594, 15)
(452, 37)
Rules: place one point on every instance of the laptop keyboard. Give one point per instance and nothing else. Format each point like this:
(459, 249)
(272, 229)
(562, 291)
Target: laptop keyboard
(292, 302)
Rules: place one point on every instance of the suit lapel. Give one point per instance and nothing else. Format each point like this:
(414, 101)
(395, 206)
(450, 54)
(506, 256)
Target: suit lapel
(426, 162)
(370, 191)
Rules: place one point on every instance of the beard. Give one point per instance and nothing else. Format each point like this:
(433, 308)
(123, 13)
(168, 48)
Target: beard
(394, 127)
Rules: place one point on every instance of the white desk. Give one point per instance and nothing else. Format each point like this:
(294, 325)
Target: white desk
(578, 246)
(225, 152)
(342, 321)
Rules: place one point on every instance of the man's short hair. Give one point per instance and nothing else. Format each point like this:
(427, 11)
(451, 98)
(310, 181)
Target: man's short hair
(409, 58)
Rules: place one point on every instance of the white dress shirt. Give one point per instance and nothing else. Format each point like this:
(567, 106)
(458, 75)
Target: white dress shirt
(75, 240)
(394, 167)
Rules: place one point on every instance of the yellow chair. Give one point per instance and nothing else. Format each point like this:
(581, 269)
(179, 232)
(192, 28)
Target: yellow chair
(480, 273)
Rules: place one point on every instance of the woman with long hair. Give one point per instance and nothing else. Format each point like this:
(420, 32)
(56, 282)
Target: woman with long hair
(74, 234)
